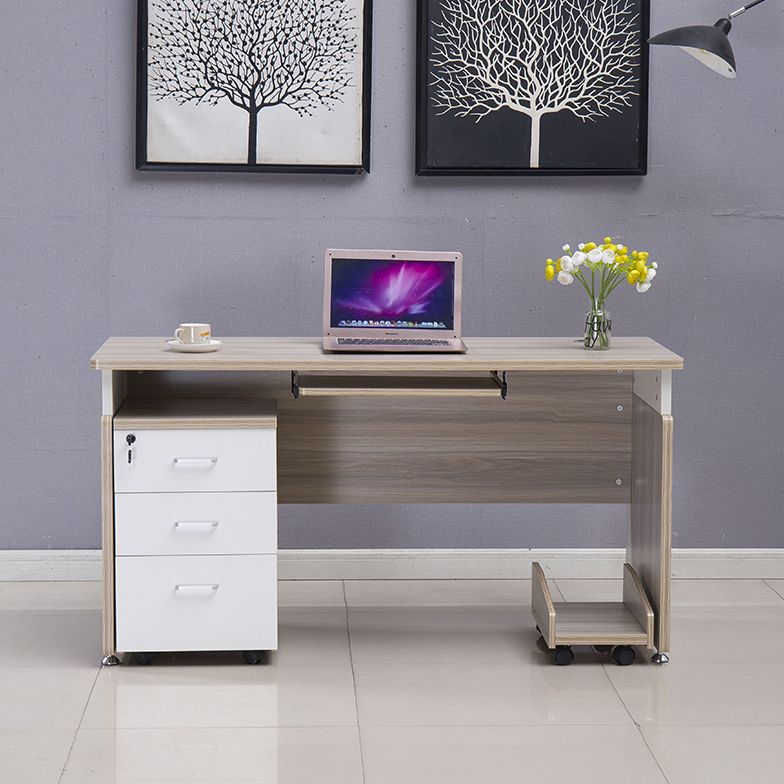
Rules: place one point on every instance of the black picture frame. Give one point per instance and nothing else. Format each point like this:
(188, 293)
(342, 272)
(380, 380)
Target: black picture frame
(430, 160)
(143, 163)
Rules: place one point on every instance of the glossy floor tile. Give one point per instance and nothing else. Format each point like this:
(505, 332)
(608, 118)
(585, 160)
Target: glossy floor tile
(448, 593)
(50, 638)
(33, 757)
(310, 593)
(725, 668)
(777, 586)
(44, 698)
(507, 755)
(327, 755)
(308, 635)
(719, 755)
(51, 596)
(221, 694)
(441, 634)
(398, 681)
(532, 692)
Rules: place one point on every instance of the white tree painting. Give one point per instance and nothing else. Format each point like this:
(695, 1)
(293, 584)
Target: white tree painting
(535, 57)
(253, 54)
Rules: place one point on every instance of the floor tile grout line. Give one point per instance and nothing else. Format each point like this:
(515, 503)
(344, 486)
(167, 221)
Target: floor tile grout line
(79, 726)
(354, 682)
(781, 595)
(637, 726)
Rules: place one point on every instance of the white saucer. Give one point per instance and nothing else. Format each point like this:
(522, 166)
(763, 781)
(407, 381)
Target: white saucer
(195, 348)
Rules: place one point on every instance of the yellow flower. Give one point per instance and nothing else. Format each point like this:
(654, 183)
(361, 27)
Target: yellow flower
(590, 246)
(549, 272)
(640, 266)
(635, 254)
(633, 277)
(608, 240)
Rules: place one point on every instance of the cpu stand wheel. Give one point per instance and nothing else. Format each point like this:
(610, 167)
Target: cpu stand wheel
(562, 655)
(144, 658)
(254, 657)
(623, 655)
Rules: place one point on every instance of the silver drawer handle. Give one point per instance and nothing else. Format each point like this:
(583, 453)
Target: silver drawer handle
(195, 462)
(191, 524)
(206, 588)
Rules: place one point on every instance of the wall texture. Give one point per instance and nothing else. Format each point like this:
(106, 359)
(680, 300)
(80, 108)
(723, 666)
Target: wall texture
(89, 248)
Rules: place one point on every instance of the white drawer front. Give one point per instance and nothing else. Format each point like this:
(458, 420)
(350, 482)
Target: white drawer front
(170, 461)
(195, 523)
(196, 603)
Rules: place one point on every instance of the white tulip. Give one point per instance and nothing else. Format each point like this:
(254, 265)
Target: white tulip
(565, 279)
(566, 248)
(579, 258)
(642, 287)
(655, 265)
(581, 246)
(566, 264)
(608, 257)
(651, 274)
(595, 255)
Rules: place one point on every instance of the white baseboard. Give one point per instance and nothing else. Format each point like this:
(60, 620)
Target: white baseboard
(29, 565)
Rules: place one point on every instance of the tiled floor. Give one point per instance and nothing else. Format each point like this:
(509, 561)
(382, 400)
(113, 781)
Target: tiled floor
(406, 682)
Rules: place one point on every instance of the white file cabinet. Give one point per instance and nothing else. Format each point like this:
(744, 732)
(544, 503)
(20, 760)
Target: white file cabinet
(195, 524)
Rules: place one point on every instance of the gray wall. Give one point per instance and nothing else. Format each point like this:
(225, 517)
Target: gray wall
(91, 248)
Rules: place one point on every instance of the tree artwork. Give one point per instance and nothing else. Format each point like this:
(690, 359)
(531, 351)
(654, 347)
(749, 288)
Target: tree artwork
(255, 54)
(535, 57)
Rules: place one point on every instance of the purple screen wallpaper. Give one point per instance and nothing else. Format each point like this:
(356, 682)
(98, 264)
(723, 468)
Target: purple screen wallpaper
(399, 294)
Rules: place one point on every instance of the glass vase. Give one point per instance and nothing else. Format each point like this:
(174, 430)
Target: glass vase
(598, 328)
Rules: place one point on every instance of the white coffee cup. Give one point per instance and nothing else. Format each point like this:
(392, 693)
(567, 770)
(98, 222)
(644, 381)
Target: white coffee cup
(193, 334)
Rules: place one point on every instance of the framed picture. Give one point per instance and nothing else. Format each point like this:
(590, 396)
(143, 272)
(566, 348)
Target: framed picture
(254, 85)
(532, 87)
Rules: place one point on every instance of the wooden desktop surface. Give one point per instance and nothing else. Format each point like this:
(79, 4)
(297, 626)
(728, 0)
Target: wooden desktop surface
(305, 354)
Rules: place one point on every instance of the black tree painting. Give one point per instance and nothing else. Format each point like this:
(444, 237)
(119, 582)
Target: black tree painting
(255, 54)
(574, 69)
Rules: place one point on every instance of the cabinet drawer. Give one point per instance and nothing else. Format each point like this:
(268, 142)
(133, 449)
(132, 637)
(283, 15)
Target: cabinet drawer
(195, 523)
(164, 461)
(196, 603)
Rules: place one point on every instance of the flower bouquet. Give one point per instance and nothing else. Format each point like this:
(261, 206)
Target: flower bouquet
(600, 269)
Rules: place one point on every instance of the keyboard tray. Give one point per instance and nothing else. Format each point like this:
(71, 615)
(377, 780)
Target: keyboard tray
(397, 386)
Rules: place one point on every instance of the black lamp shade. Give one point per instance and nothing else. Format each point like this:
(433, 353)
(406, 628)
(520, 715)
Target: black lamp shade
(709, 44)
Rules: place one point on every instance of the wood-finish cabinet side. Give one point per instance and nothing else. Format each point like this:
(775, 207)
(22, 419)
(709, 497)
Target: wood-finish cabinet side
(542, 607)
(107, 534)
(650, 541)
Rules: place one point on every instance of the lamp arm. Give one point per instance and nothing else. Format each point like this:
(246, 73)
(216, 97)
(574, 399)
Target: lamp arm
(745, 8)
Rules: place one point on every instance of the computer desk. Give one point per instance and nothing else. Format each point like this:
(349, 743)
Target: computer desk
(514, 420)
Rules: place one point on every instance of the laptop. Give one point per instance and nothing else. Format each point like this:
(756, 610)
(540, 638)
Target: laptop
(390, 300)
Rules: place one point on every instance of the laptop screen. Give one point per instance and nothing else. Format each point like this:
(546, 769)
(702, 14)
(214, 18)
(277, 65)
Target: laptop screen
(369, 293)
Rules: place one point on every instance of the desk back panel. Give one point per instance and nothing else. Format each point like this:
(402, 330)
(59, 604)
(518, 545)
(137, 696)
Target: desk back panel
(558, 438)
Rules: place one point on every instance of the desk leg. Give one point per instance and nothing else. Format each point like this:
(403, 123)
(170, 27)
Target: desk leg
(650, 541)
(107, 537)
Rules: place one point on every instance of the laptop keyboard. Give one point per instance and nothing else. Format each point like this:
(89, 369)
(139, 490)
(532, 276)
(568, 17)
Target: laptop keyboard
(391, 342)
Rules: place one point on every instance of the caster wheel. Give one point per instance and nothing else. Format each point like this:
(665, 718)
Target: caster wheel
(143, 659)
(254, 657)
(562, 656)
(623, 655)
